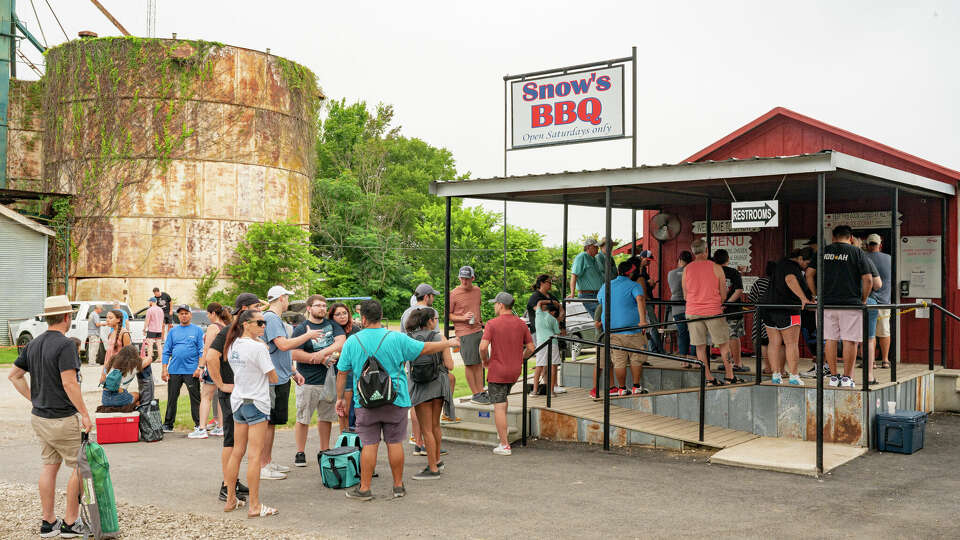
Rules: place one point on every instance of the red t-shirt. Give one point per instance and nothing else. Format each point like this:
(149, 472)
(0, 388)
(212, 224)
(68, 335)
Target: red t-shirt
(507, 335)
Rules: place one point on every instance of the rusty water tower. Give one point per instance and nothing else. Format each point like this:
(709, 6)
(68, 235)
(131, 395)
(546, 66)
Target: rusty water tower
(248, 159)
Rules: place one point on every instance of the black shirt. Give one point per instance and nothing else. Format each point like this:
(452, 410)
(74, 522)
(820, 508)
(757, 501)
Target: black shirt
(226, 372)
(163, 302)
(780, 293)
(734, 282)
(44, 359)
(316, 374)
(843, 268)
(535, 298)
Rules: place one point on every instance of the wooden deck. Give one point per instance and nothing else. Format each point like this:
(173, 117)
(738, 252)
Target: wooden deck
(578, 403)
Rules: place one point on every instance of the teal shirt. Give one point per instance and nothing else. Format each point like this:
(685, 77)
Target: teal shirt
(397, 349)
(588, 271)
(601, 257)
(546, 326)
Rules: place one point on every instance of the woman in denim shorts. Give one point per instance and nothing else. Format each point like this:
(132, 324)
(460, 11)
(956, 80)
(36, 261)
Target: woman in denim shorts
(250, 402)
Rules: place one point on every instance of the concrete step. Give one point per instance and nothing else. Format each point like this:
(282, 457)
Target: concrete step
(477, 433)
(483, 414)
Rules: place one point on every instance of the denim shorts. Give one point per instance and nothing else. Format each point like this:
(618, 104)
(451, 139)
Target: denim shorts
(249, 414)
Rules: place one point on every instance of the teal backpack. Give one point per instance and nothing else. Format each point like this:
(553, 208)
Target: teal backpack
(340, 467)
(114, 378)
(348, 438)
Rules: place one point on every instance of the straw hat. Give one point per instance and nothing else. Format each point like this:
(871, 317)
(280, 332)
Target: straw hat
(56, 305)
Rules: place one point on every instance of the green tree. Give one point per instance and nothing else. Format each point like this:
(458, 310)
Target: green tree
(274, 253)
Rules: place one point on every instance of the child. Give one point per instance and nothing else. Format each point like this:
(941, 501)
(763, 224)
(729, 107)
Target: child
(547, 326)
(116, 387)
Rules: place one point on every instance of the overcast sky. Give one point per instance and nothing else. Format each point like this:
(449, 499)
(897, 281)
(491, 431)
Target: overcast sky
(883, 69)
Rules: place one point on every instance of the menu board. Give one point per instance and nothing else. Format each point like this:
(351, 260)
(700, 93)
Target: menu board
(919, 259)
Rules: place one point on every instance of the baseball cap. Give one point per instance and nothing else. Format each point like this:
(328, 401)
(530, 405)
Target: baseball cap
(423, 289)
(504, 298)
(874, 239)
(182, 307)
(244, 300)
(811, 241)
(645, 254)
(590, 242)
(276, 292)
(467, 272)
(152, 300)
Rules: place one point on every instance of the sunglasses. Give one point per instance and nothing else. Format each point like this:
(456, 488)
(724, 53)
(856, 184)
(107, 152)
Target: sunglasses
(259, 322)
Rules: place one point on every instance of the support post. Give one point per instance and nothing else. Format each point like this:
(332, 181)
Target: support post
(943, 281)
(932, 314)
(758, 352)
(895, 286)
(504, 245)
(709, 226)
(549, 370)
(8, 57)
(633, 232)
(634, 87)
(865, 346)
(446, 272)
(606, 317)
(563, 249)
(821, 209)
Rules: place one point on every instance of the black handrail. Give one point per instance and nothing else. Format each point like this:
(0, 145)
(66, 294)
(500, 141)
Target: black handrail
(523, 385)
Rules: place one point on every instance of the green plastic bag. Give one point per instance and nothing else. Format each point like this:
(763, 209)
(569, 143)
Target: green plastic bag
(96, 490)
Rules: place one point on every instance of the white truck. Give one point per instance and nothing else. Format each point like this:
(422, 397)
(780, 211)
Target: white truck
(31, 328)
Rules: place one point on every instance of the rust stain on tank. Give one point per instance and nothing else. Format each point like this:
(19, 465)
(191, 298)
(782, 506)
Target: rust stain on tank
(849, 411)
(98, 252)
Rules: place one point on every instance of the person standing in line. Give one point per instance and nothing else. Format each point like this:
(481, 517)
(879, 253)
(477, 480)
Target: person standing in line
(423, 298)
(882, 262)
(677, 313)
(628, 308)
(787, 286)
(428, 398)
(506, 344)
(704, 288)
(389, 422)
(316, 360)
(587, 273)
(734, 282)
(468, 325)
(340, 314)
(181, 366)
(645, 258)
(219, 319)
(154, 327)
(547, 326)
(847, 280)
(222, 375)
(280, 345)
(54, 390)
(541, 291)
(93, 333)
(602, 257)
(164, 302)
(250, 404)
(758, 295)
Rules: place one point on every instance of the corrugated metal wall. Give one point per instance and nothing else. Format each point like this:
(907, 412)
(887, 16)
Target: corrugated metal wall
(23, 262)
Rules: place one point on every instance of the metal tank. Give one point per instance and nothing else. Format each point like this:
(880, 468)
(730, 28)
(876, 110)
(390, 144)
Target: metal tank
(25, 136)
(246, 157)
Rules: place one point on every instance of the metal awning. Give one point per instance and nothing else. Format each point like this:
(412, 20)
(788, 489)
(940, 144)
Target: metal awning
(690, 183)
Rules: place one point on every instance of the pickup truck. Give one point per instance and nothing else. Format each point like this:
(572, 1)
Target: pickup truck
(31, 328)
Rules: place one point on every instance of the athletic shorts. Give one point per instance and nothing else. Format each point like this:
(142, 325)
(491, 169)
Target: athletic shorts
(227, 415)
(622, 359)
(249, 414)
(780, 319)
(280, 401)
(883, 323)
(59, 439)
(735, 325)
(154, 335)
(389, 421)
(317, 397)
(545, 353)
(717, 328)
(498, 392)
(470, 348)
(843, 325)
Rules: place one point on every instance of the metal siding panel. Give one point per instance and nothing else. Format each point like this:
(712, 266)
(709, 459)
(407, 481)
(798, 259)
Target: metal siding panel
(666, 405)
(765, 411)
(717, 408)
(741, 409)
(23, 263)
(791, 413)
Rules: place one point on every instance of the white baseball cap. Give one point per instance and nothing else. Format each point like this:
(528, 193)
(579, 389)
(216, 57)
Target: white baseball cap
(276, 292)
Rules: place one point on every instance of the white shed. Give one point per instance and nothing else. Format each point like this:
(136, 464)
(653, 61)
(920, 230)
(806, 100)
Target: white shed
(23, 269)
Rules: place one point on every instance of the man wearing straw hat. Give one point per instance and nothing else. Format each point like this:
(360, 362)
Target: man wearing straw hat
(54, 389)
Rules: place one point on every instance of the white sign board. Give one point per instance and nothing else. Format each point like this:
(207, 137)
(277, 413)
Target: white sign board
(738, 246)
(857, 220)
(719, 226)
(747, 214)
(570, 108)
(918, 261)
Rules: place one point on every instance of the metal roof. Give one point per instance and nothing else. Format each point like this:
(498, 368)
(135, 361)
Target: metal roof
(650, 187)
(25, 221)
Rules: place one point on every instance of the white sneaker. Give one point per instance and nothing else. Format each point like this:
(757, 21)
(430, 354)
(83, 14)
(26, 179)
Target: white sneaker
(276, 467)
(267, 474)
(795, 380)
(834, 381)
(847, 382)
(216, 432)
(776, 379)
(559, 390)
(502, 450)
(198, 433)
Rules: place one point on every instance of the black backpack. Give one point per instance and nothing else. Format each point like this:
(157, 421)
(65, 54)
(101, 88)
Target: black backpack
(374, 386)
(426, 367)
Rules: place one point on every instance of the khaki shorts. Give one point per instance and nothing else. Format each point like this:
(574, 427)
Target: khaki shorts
(883, 323)
(718, 329)
(59, 439)
(621, 359)
(317, 397)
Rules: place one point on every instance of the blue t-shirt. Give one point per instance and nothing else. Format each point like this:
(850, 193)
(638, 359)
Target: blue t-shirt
(623, 304)
(316, 374)
(397, 349)
(282, 360)
(182, 350)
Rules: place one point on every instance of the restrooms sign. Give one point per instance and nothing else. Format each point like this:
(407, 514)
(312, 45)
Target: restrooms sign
(570, 108)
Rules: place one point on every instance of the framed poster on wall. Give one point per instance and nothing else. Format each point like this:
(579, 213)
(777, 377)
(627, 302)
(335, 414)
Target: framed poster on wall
(919, 260)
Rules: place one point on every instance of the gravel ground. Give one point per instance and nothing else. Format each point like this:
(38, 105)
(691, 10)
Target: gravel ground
(19, 503)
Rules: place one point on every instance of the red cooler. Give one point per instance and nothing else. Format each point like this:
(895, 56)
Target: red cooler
(118, 427)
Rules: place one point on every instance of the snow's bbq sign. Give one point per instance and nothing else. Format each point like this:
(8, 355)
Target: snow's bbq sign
(570, 108)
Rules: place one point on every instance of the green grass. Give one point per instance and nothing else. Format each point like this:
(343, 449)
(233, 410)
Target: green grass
(185, 421)
(8, 356)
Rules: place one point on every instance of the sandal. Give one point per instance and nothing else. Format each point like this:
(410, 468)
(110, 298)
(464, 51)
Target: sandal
(884, 365)
(237, 504)
(264, 512)
(733, 380)
(714, 382)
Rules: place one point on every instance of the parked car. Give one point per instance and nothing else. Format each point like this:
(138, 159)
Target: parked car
(31, 328)
(200, 317)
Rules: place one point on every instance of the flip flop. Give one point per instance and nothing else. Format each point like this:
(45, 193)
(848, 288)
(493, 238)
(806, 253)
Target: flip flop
(733, 380)
(715, 382)
(238, 504)
(264, 512)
